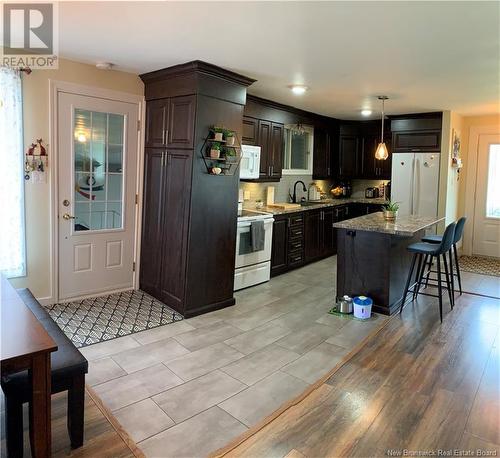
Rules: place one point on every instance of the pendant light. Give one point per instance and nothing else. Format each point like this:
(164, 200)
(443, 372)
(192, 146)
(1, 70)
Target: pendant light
(382, 153)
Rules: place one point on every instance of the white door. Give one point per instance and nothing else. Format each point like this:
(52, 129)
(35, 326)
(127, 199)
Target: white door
(486, 234)
(97, 145)
(402, 181)
(426, 184)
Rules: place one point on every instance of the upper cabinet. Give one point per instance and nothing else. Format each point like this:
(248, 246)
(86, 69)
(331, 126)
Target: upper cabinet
(322, 154)
(170, 122)
(357, 145)
(417, 133)
(269, 136)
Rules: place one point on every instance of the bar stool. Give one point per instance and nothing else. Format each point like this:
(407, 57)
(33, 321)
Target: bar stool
(422, 250)
(459, 230)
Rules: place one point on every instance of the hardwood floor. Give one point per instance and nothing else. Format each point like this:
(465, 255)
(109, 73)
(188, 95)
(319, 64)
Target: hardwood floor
(101, 438)
(416, 385)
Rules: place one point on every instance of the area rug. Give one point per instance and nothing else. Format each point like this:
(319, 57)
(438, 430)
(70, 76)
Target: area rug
(480, 265)
(97, 319)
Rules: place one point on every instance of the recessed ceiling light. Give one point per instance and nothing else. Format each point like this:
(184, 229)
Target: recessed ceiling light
(366, 112)
(298, 89)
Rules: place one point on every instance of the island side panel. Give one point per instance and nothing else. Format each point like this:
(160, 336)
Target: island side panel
(364, 266)
(374, 264)
(400, 266)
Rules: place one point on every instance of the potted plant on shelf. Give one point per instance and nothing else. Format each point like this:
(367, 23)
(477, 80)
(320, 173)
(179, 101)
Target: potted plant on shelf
(390, 211)
(215, 151)
(230, 154)
(218, 133)
(229, 135)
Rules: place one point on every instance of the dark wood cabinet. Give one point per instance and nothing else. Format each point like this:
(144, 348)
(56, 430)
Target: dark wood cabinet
(350, 148)
(167, 181)
(417, 133)
(181, 122)
(186, 209)
(156, 122)
(269, 136)
(264, 141)
(154, 183)
(170, 122)
(279, 252)
(414, 142)
(312, 229)
(288, 243)
(322, 155)
(276, 153)
(177, 185)
(357, 146)
(329, 232)
(250, 131)
(320, 236)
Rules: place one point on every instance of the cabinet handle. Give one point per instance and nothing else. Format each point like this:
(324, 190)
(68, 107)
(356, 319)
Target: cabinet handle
(166, 137)
(272, 170)
(346, 211)
(328, 170)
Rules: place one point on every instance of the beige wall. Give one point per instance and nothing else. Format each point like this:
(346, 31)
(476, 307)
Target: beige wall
(36, 125)
(468, 122)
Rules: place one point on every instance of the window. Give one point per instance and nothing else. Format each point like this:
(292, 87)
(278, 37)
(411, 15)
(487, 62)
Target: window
(493, 189)
(298, 149)
(12, 242)
(98, 143)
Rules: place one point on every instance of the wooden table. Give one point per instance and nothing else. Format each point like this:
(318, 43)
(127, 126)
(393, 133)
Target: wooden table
(25, 344)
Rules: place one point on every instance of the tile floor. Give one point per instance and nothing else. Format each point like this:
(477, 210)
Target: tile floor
(188, 388)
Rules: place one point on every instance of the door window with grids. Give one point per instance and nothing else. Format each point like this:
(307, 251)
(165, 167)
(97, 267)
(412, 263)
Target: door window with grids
(493, 188)
(98, 170)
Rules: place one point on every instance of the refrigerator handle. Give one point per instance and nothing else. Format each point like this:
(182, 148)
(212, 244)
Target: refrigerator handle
(412, 185)
(415, 185)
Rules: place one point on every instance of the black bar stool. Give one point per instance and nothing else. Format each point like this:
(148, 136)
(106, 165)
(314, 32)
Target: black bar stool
(422, 250)
(459, 230)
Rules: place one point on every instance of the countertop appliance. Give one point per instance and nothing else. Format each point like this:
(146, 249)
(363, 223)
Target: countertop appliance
(371, 193)
(415, 183)
(250, 162)
(252, 267)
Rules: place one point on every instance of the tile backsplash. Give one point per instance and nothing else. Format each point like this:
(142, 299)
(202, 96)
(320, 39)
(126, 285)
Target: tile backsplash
(282, 189)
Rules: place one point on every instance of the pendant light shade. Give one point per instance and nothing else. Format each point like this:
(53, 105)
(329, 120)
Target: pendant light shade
(381, 153)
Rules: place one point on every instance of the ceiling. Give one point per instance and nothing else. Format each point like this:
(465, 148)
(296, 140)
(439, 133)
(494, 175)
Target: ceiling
(426, 56)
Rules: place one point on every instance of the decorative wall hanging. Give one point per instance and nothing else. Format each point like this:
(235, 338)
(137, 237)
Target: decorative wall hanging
(456, 160)
(36, 162)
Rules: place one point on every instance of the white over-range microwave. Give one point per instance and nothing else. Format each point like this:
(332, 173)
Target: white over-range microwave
(250, 162)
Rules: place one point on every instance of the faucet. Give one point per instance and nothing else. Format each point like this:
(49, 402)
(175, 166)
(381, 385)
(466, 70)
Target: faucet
(294, 197)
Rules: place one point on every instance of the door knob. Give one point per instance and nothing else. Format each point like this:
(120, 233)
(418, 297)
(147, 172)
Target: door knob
(67, 216)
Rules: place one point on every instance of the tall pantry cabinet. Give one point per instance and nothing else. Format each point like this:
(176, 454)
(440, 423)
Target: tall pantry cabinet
(189, 216)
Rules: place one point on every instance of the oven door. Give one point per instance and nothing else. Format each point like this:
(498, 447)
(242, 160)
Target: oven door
(244, 254)
(250, 162)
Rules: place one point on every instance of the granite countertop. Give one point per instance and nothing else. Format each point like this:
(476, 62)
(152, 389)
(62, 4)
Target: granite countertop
(403, 225)
(323, 204)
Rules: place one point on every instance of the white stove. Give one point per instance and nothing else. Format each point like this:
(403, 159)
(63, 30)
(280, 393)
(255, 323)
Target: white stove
(252, 266)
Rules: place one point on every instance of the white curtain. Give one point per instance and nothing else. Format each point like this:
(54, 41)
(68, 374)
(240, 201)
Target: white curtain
(12, 234)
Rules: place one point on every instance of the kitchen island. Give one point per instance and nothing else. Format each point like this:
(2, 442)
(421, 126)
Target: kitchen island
(372, 258)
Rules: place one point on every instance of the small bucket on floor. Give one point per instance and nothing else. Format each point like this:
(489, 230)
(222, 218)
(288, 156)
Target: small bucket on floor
(362, 307)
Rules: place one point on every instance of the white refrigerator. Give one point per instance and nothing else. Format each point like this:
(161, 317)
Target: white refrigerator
(415, 183)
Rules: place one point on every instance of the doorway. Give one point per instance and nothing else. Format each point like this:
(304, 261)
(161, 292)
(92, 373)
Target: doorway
(486, 232)
(97, 184)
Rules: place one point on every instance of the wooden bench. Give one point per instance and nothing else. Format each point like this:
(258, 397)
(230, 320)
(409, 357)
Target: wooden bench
(68, 369)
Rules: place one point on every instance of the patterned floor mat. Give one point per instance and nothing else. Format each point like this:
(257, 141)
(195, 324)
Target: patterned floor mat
(97, 319)
(480, 265)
